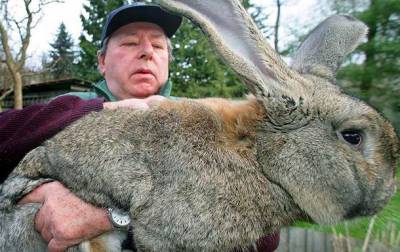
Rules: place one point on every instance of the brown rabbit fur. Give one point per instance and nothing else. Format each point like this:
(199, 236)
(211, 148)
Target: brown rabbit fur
(239, 120)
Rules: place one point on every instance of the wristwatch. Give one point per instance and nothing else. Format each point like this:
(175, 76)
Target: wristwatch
(119, 219)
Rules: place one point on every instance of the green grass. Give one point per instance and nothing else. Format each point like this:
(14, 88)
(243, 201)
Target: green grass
(388, 218)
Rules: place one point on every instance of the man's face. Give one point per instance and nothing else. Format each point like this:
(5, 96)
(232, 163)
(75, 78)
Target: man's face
(136, 60)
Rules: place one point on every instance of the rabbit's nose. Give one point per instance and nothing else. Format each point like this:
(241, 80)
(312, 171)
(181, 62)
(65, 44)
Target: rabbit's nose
(374, 201)
(363, 209)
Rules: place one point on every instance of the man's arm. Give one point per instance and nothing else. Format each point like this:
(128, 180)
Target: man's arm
(63, 220)
(24, 130)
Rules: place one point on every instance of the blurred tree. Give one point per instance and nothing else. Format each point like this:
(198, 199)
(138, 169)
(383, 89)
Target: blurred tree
(373, 71)
(196, 70)
(277, 25)
(62, 54)
(15, 52)
(350, 7)
(5, 79)
(92, 23)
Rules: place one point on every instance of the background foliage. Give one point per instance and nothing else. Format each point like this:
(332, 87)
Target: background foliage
(62, 55)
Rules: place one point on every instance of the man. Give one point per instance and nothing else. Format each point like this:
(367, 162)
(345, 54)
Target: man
(134, 61)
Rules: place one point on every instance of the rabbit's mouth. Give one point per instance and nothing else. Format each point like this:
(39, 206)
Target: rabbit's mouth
(375, 203)
(356, 211)
(362, 210)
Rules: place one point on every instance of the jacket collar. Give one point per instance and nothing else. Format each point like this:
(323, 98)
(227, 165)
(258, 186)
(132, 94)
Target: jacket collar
(102, 90)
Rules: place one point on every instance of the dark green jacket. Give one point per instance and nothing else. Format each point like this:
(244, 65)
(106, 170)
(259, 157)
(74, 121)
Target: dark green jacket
(100, 89)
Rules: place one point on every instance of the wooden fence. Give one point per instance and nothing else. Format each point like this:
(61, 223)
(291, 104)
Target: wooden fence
(305, 240)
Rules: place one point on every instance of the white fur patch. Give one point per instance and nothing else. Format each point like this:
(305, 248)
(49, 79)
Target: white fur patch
(112, 242)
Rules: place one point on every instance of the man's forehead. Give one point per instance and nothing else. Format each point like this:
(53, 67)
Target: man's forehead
(140, 27)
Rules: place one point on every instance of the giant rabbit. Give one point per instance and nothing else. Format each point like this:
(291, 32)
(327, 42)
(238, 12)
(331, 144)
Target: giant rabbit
(214, 174)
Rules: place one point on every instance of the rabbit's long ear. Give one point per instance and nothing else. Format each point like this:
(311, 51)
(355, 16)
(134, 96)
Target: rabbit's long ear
(325, 47)
(236, 38)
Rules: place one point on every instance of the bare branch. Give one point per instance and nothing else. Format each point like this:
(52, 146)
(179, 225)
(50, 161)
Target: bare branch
(6, 48)
(6, 93)
(277, 24)
(37, 21)
(27, 36)
(44, 3)
(20, 32)
(6, 13)
(22, 20)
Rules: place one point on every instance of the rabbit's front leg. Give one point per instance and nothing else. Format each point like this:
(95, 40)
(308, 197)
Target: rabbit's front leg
(17, 231)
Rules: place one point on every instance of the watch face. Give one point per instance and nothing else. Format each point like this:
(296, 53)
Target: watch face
(122, 220)
(119, 219)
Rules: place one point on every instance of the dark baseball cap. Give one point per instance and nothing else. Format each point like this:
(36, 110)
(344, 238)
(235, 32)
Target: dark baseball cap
(140, 12)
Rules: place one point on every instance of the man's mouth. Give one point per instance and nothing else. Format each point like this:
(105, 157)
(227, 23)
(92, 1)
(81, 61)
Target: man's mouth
(143, 71)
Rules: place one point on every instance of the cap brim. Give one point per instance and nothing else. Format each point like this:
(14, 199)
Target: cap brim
(142, 13)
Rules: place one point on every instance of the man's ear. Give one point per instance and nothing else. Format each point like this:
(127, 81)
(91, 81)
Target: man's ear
(101, 61)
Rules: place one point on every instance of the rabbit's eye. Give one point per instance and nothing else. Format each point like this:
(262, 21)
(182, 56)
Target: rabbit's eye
(353, 137)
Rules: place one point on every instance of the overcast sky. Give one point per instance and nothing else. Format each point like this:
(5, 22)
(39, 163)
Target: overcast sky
(44, 33)
(295, 15)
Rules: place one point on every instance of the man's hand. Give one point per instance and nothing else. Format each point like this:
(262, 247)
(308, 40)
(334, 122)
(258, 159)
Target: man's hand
(135, 103)
(65, 220)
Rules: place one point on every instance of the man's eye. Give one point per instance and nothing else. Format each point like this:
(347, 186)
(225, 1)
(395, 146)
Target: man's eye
(132, 43)
(158, 46)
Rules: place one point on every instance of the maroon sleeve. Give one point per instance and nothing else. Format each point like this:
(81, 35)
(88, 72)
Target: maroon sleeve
(24, 130)
(267, 243)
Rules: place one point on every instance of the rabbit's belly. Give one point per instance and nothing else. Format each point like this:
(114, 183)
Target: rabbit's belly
(212, 202)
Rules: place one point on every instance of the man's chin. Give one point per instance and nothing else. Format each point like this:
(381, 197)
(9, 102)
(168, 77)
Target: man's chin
(144, 92)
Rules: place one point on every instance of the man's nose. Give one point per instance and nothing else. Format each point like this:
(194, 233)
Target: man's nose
(146, 50)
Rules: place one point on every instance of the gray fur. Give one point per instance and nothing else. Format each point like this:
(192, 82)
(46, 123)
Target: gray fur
(188, 187)
(325, 48)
